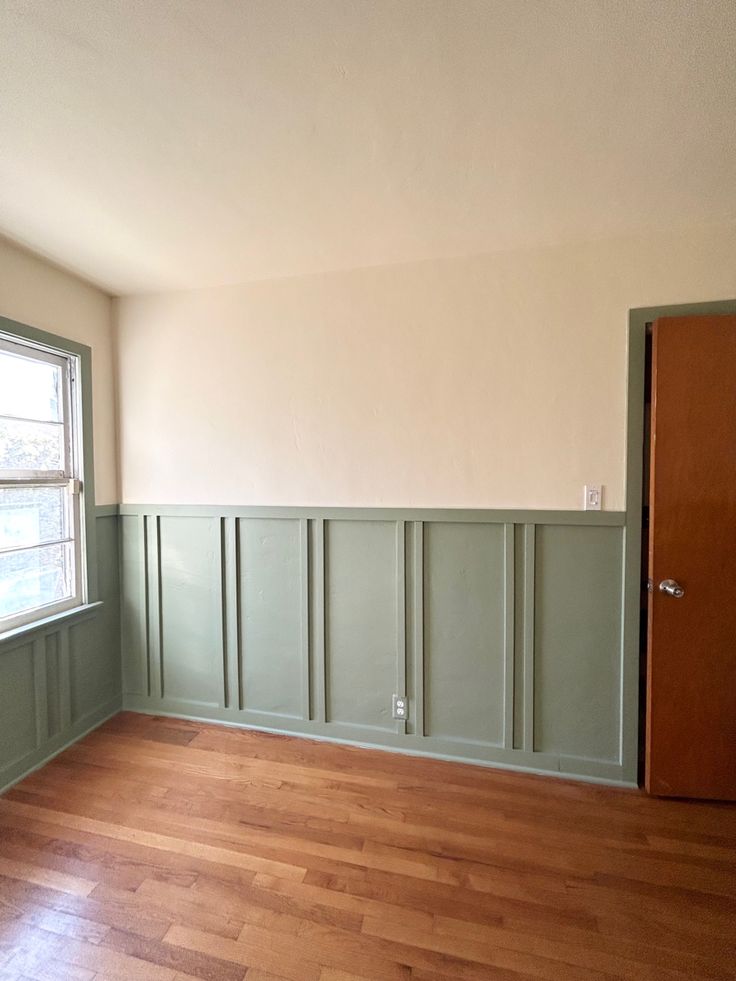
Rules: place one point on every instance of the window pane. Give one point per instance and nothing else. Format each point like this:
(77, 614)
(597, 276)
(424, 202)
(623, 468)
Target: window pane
(32, 515)
(28, 388)
(31, 445)
(35, 578)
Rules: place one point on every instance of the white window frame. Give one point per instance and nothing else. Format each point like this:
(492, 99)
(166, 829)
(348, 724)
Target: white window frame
(70, 477)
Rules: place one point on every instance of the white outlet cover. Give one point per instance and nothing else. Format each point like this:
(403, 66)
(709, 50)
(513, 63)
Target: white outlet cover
(400, 707)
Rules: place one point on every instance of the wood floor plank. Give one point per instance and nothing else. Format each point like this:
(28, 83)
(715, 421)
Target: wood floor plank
(586, 951)
(261, 954)
(111, 909)
(193, 963)
(182, 905)
(239, 899)
(358, 906)
(81, 954)
(159, 849)
(254, 974)
(153, 839)
(36, 966)
(43, 876)
(148, 862)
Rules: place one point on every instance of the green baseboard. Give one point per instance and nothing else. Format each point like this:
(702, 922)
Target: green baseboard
(605, 774)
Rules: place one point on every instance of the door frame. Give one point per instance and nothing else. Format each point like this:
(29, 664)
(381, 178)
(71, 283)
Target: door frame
(638, 320)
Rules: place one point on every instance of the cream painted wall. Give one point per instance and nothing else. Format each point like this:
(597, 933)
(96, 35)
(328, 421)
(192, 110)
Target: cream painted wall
(491, 381)
(44, 296)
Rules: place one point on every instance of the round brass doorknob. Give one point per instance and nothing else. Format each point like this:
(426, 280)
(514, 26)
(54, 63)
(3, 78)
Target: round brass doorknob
(672, 588)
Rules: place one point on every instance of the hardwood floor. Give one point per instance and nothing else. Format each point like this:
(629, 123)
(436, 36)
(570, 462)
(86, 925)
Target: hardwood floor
(164, 850)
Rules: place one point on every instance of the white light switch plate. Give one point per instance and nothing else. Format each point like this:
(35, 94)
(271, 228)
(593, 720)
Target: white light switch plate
(593, 498)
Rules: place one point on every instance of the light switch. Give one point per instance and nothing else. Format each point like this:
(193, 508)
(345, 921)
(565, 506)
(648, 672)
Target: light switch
(593, 497)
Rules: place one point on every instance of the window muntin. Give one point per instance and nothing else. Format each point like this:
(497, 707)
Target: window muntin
(41, 554)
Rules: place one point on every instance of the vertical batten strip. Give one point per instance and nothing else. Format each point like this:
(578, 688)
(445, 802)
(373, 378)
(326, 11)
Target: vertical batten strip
(304, 627)
(40, 684)
(630, 626)
(224, 617)
(418, 618)
(409, 618)
(65, 680)
(240, 526)
(238, 613)
(159, 610)
(239, 532)
(509, 559)
(401, 616)
(155, 647)
(529, 581)
(320, 642)
(232, 620)
(145, 606)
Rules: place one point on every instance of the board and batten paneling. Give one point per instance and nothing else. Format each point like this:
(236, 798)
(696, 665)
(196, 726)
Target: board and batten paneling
(186, 622)
(503, 628)
(465, 631)
(361, 616)
(59, 679)
(269, 596)
(577, 641)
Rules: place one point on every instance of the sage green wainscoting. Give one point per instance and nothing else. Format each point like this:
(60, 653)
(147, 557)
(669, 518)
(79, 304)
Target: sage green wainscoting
(503, 628)
(60, 678)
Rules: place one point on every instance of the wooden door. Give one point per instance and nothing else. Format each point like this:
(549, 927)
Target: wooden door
(691, 673)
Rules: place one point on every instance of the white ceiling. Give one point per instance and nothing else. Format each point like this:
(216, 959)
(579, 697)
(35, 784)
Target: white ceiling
(159, 144)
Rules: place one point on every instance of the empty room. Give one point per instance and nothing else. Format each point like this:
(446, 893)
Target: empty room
(367, 490)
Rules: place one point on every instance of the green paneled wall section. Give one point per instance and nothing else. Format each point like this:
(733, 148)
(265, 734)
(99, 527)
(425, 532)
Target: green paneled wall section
(60, 679)
(274, 644)
(504, 629)
(362, 635)
(465, 632)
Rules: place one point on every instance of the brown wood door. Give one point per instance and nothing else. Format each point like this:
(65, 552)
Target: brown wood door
(691, 671)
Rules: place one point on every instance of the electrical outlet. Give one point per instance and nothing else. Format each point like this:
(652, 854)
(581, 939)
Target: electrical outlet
(400, 707)
(593, 497)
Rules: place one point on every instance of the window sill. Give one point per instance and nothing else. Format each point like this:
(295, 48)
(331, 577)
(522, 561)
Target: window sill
(48, 623)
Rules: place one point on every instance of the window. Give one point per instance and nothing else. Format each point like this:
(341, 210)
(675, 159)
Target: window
(41, 554)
